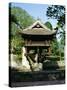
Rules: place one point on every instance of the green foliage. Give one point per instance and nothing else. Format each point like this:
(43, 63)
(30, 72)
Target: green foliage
(55, 47)
(23, 18)
(13, 30)
(57, 12)
(19, 19)
(16, 43)
(13, 18)
(48, 24)
(19, 58)
(54, 44)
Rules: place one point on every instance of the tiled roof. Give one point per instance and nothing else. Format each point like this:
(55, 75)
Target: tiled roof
(38, 28)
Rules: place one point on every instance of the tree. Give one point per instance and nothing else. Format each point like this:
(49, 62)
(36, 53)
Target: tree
(55, 47)
(58, 12)
(23, 18)
(54, 44)
(48, 24)
(18, 19)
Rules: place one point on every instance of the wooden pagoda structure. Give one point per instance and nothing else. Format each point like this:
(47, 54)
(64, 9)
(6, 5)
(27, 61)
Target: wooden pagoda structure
(37, 40)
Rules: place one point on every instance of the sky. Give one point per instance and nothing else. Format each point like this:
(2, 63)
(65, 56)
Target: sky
(36, 11)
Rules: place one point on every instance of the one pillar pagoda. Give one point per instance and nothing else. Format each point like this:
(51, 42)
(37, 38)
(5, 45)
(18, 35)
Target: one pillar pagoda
(37, 41)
